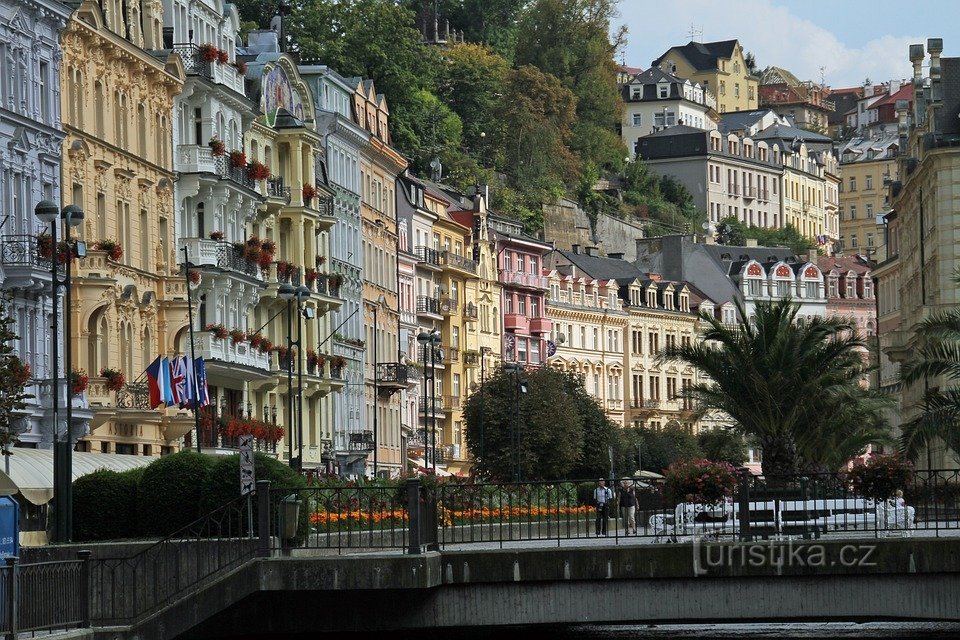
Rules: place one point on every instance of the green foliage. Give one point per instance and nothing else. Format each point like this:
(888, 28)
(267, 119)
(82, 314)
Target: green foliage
(723, 445)
(563, 431)
(223, 484)
(793, 384)
(171, 491)
(731, 231)
(469, 82)
(935, 355)
(105, 505)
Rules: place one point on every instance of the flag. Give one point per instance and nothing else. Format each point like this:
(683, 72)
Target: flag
(178, 380)
(203, 393)
(166, 390)
(156, 378)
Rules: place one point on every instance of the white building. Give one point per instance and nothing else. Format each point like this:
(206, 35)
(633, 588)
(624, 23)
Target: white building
(655, 99)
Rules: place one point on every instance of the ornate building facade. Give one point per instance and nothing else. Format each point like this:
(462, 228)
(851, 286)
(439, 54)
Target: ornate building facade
(31, 137)
(129, 302)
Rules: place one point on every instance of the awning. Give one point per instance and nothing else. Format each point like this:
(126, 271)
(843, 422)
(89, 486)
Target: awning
(31, 470)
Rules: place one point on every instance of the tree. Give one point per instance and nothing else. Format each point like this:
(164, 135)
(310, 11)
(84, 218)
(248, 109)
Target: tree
(375, 39)
(937, 353)
(783, 380)
(723, 445)
(14, 376)
(733, 232)
(657, 449)
(563, 431)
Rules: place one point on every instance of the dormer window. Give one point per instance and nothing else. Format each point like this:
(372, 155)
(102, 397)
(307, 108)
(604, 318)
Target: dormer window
(663, 90)
(851, 286)
(867, 287)
(684, 303)
(832, 283)
(636, 93)
(652, 299)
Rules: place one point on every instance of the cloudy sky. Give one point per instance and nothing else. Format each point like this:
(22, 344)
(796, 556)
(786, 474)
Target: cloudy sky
(844, 40)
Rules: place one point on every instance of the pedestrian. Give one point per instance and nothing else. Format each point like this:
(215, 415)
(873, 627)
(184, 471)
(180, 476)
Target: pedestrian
(602, 496)
(628, 504)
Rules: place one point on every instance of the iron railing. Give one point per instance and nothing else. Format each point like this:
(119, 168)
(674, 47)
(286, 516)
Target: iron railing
(231, 256)
(126, 590)
(134, 395)
(427, 255)
(22, 250)
(394, 373)
(426, 304)
(275, 189)
(451, 259)
(44, 595)
(240, 175)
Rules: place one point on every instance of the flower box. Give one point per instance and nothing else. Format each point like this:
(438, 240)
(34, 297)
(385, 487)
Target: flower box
(208, 52)
(257, 170)
(223, 57)
(112, 247)
(79, 381)
(218, 330)
(237, 336)
(238, 159)
(115, 379)
(217, 146)
(216, 235)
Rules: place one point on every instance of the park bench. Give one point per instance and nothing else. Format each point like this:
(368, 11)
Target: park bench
(811, 517)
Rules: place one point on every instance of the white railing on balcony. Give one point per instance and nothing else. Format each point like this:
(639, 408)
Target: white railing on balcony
(212, 348)
(523, 279)
(194, 158)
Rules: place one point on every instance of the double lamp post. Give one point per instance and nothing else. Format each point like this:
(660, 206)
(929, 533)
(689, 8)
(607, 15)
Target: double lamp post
(288, 293)
(72, 216)
(430, 344)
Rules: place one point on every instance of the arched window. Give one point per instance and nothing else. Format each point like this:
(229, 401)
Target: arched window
(126, 351)
(148, 348)
(98, 341)
(142, 131)
(99, 107)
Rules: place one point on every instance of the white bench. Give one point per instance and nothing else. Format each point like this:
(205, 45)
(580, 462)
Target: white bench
(694, 520)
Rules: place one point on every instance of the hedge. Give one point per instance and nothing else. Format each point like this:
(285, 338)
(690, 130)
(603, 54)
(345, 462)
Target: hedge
(171, 492)
(105, 505)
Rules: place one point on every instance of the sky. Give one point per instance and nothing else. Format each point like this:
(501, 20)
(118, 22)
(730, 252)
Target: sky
(841, 42)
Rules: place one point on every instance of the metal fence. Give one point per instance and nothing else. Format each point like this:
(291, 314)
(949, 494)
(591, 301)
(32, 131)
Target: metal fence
(44, 596)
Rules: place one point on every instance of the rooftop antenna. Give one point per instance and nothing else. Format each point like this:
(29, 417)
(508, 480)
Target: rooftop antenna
(823, 81)
(695, 34)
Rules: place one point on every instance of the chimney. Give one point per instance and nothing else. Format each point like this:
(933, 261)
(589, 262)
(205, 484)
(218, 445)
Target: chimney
(591, 251)
(575, 248)
(916, 58)
(616, 255)
(903, 129)
(935, 47)
(654, 276)
(812, 256)
(751, 242)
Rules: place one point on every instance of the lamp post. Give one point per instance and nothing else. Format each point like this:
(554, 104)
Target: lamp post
(72, 215)
(286, 292)
(303, 293)
(520, 386)
(429, 341)
(483, 360)
(381, 301)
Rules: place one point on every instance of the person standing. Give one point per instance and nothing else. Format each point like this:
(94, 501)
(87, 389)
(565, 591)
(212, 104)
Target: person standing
(628, 503)
(602, 496)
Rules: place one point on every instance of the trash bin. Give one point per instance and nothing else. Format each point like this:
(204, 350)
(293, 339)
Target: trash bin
(289, 516)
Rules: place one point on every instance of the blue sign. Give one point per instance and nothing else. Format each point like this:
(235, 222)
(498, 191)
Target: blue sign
(9, 527)
(551, 349)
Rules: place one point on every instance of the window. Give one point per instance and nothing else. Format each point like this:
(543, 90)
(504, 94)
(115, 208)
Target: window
(853, 183)
(812, 290)
(853, 212)
(869, 212)
(736, 90)
(869, 184)
(853, 241)
(851, 287)
(636, 93)
(663, 90)
(869, 239)
(754, 287)
(723, 87)
(730, 316)
(783, 288)
(637, 119)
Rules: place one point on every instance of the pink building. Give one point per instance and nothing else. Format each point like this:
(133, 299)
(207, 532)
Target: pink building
(850, 294)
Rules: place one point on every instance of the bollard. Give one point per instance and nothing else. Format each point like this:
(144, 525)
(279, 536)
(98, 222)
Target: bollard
(413, 516)
(263, 518)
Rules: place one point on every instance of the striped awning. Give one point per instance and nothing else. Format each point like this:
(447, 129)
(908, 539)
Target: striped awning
(29, 472)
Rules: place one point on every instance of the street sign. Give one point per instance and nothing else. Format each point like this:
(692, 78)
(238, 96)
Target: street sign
(248, 478)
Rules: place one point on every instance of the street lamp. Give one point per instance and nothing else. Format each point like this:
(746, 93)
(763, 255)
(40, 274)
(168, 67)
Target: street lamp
(429, 342)
(483, 360)
(287, 292)
(381, 302)
(72, 215)
(520, 386)
(302, 293)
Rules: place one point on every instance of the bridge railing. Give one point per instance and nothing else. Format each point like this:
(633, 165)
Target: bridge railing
(42, 596)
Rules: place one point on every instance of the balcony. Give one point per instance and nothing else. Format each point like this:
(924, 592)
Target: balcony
(195, 158)
(471, 312)
(614, 405)
(540, 325)
(764, 194)
(438, 355)
(516, 322)
(238, 175)
(222, 74)
(221, 254)
(361, 441)
(326, 288)
(277, 193)
(458, 263)
(224, 358)
(427, 306)
(749, 193)
(451, 355)
(434, 405)
(733, 189)
(451, 403)
(448, 306)
(651, 404)
(23, 268)
(518, 279)
(471, 358)
(394, 376)
(428, 257)
(320, 209)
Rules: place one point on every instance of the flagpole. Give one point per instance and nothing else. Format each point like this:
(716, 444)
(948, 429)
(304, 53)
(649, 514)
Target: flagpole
(193, 345)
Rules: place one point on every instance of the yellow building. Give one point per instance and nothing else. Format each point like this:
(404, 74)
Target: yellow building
(295, 217)
(129, 301)
(380, 164)
(868, 166)
(719, 67)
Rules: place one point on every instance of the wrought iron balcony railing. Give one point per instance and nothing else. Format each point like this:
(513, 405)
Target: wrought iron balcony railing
(134, 395)
(426, 304)
(238, 175)
(451, 259)
(427, 255)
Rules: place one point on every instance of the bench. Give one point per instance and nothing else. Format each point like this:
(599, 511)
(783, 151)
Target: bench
(782, 517)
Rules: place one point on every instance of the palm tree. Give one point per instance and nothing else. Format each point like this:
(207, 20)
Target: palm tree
(792, 384)
(937, 353)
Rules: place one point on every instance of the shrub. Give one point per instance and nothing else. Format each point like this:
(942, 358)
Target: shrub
(880, 476)
(170, 492)
(105, 505)
(707, 481)
(223, 485)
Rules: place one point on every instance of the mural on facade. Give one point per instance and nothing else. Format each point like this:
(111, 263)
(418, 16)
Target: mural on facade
(279, 93)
